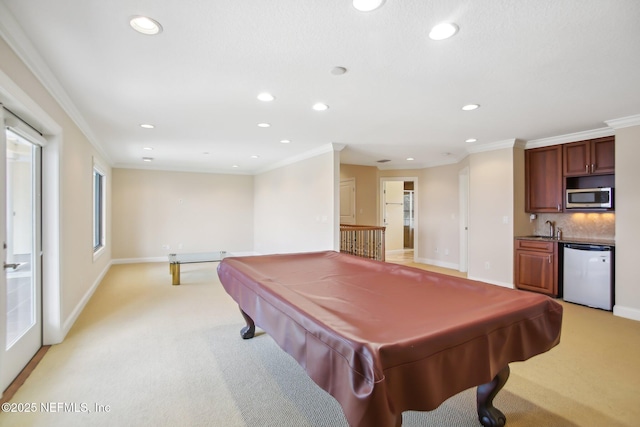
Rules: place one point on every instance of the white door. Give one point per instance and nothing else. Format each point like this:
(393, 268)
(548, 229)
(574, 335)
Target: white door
(394, 215)
(21, 280)
(348, 201)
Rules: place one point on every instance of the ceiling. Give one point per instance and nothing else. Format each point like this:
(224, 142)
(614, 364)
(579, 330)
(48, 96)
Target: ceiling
(537, 69)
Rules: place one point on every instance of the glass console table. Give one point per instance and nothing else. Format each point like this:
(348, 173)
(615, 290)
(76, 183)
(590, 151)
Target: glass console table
(176, 259)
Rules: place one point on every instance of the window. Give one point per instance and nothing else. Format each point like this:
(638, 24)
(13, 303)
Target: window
(98, 209)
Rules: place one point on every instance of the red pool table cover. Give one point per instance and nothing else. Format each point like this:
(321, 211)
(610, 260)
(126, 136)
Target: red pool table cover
(383, 338)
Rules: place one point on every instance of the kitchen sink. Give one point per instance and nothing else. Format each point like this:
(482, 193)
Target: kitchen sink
(538, 236)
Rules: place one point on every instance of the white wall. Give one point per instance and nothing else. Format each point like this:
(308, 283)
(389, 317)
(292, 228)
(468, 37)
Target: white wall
(188, 212)
(627, 200)
(295, 206)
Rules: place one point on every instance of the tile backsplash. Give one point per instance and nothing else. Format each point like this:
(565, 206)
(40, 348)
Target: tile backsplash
(580, 225)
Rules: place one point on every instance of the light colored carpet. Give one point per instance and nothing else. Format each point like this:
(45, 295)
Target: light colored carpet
(162, 355)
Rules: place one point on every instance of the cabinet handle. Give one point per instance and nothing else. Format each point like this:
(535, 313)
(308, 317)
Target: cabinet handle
(549, 259)
(592, 167)
(558, 208)
(586, 168)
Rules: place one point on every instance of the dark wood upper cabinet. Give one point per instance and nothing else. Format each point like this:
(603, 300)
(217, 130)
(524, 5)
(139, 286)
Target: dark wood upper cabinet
(591, 157)
(543, 179)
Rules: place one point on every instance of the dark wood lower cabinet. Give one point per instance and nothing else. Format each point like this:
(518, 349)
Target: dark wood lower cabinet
(536, 266)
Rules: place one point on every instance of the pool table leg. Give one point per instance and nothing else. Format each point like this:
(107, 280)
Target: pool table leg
(250, 330)
(488, 415)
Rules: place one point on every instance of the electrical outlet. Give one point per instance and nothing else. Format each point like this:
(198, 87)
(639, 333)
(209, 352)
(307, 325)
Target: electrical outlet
(437, 250)
(165, 246)
(487, 265)
(446, 251)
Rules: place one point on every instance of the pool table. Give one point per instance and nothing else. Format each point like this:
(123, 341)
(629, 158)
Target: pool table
(384, 338)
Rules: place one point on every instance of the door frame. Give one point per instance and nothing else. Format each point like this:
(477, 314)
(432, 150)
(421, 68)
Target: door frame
(20, 103)
(463, 187)
(416, 203)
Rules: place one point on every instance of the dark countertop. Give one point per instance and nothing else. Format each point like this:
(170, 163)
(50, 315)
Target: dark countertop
(595, 241)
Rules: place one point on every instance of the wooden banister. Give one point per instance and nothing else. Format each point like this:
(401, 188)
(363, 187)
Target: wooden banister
(366, 241)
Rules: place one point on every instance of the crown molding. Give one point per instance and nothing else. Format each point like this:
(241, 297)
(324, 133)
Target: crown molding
(498, 145)
(325, 148)
(336, 146)
(569, 137)
(18, 41)
(15, 99)
(624, 122)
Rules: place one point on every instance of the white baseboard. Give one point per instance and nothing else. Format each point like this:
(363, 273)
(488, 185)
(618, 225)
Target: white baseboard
(165, 259)
(626, 312)
(438, 263)
(139, 260)
(69, 321)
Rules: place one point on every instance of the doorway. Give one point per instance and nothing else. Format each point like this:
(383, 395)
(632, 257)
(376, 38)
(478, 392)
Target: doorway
(22, 252)
(399, 210)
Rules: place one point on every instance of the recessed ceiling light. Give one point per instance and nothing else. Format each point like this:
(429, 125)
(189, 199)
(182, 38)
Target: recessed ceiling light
(147, 159)
(255, 156)
(235, 166)
(320, 106)
(145, 25)
(147, 126)
(367, 5)
(263, 125)
(338, 71)
(471, 140)
(470, 107)
(285, 141)
(410, 158)
(148, 148)
(443, 31)
(266, 97)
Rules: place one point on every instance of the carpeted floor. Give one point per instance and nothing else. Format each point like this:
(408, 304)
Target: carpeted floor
(145, 353)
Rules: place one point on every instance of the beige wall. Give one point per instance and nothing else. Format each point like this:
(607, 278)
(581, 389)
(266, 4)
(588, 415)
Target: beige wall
(439, 216)
(491, 200)
(188, 212)
(367, 193)
(627, 224)
(296, 206)
(70, 272)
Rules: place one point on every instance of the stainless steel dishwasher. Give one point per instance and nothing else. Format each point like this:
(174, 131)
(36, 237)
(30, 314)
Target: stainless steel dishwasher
(588, 275)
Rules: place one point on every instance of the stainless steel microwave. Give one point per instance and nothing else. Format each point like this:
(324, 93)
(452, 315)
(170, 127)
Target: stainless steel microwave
(589, 198)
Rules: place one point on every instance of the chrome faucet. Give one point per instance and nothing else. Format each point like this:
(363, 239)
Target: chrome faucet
(551, 224)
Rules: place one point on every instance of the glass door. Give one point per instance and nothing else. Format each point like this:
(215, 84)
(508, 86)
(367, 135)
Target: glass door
(408, 218)
(22, 251)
